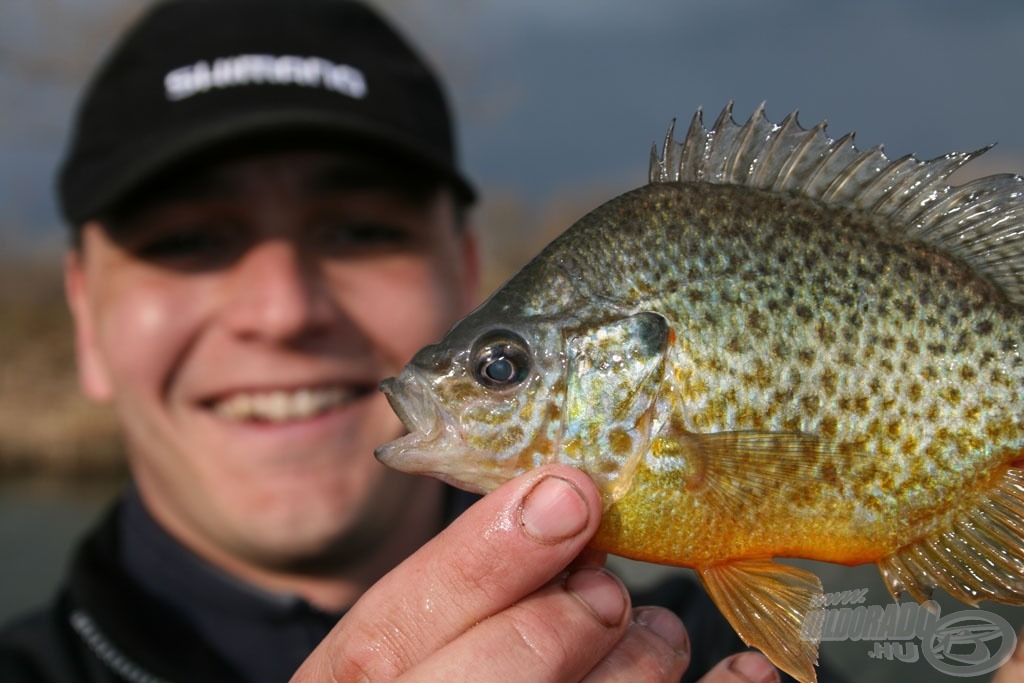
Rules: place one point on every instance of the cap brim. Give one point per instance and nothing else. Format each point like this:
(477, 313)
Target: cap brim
(115, 179)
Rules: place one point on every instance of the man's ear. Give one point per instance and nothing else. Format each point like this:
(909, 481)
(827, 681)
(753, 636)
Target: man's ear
(93, 377)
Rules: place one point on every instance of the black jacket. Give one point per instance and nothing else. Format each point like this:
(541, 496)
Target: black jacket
(105, 628)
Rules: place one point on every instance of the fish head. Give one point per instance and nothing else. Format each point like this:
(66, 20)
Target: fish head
(481, 406)
(495, 399)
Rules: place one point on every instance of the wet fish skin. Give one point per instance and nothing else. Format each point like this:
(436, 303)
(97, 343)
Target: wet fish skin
(843, 335)
(780, 347)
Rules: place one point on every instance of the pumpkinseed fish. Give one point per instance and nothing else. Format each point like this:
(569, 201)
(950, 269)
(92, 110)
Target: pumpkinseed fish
(781, 346)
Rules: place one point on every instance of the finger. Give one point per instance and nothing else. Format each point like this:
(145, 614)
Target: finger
(556, 634)
(503, 548)
(745, 667)
(1013, 670)
(589, 557)
(654, 648)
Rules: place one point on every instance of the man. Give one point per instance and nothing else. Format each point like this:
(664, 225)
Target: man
(268, 220)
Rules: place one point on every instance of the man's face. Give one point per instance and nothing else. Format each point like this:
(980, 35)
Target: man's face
(240, 324)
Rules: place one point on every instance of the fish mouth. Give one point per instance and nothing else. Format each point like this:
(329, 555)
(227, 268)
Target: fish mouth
(411, 402)
(433, 446)
(422, 418)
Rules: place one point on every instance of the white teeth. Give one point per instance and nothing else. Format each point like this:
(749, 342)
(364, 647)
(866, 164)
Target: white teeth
(280, 406)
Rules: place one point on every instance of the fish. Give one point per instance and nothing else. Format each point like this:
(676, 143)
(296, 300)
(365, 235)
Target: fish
(781, 346)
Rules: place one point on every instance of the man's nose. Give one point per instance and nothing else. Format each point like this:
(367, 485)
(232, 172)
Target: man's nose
(279, 293)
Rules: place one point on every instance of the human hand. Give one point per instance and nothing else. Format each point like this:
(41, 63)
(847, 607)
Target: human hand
(1012, 671)
(743, 667)
(508, 592)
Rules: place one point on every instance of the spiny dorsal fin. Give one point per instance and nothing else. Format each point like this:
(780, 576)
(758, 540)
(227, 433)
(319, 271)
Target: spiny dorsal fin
(981, 222)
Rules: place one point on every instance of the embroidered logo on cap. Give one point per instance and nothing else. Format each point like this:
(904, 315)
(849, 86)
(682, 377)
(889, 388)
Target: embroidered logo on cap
(229, 72)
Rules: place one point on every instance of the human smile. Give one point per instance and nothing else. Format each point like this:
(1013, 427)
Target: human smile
(281, 405)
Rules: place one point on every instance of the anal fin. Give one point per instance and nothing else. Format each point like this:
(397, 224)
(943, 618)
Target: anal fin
(768, 603)
(980, 557)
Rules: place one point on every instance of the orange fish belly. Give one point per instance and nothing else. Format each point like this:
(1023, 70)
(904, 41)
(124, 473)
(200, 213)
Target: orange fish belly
(661, 519)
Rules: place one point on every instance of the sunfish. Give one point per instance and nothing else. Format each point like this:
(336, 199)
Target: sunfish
(781, 346)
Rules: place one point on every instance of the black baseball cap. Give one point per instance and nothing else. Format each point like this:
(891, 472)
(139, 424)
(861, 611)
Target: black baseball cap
(193, 75)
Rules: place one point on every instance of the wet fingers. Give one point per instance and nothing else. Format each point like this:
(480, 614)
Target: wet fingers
(655, 647)
(557, 634)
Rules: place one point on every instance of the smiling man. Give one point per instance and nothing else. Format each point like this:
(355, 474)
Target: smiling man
(240, 318)
(268, 220)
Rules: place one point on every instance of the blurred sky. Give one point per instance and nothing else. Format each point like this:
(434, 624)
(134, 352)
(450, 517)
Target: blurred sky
(557, 96)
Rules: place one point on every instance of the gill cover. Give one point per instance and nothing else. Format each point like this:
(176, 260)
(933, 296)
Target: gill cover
(614, 376)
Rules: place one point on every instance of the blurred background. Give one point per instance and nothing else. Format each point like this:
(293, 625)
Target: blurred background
(558, 104)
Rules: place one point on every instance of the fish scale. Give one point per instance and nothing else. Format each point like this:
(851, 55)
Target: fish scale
(782, 346)
(798, 301)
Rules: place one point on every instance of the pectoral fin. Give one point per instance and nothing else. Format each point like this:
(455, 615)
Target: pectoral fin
(737, 470)
(768, 603)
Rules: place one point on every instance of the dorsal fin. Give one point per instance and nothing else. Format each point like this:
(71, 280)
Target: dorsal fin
(980, 222)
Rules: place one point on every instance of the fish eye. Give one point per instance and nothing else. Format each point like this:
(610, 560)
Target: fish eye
(501, 360)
